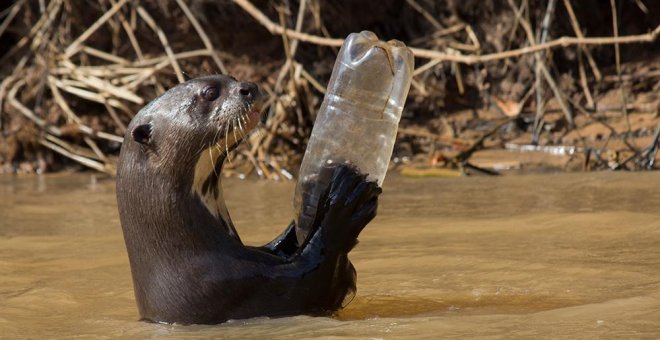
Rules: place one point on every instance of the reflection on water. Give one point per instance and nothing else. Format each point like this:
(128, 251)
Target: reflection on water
(537, 255)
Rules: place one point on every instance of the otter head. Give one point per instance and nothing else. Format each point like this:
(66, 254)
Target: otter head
(182, 137)
(209, 112)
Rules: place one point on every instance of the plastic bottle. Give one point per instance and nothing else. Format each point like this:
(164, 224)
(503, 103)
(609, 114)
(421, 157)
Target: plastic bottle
(359, 117)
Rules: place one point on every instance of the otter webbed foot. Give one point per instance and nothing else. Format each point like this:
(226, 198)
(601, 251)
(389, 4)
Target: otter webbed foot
(350, 203)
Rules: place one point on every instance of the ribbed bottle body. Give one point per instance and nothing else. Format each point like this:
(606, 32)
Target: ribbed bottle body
(358, 119)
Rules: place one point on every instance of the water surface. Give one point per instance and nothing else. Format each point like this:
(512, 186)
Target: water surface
(557, 255)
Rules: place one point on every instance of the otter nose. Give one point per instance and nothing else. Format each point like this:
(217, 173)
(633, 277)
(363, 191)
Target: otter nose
(247, 90)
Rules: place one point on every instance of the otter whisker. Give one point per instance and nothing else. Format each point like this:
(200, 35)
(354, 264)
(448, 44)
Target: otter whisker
(246, 107)
(243, 117)
(218, 147)
(203, 146)
(246, 135)
(244, 128)
(215, 137)
(257, 131)
(227, 142)
(215, 171)
(241, 132)
(233, 130)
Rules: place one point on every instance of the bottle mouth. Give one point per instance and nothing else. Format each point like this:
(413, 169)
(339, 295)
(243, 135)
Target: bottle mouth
(365, 47)
(371, 76)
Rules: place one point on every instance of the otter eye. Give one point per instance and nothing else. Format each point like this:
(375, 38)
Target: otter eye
(211, 93)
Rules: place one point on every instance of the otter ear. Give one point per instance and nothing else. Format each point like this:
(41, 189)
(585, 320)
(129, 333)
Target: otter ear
(142, 133)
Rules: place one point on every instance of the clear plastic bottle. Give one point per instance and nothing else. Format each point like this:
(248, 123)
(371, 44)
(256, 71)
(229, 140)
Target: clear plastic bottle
(359, 117)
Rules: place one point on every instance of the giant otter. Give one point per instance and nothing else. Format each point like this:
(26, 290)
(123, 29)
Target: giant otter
(188, 264)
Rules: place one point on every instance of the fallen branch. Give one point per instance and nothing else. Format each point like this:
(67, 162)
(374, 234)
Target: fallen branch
(80, 159)
(274, 28)
(464, 155)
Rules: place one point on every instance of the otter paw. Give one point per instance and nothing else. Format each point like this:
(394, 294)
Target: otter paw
(350, 204)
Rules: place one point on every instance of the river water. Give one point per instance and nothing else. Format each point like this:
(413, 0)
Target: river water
(555, 255)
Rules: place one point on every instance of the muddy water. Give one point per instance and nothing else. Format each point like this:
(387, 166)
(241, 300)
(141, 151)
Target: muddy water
(571, 255)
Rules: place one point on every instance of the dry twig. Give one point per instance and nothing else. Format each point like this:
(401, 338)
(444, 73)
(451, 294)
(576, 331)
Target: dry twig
(465, 59)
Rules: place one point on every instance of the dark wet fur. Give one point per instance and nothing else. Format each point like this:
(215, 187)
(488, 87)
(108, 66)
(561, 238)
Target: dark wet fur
(187, 269)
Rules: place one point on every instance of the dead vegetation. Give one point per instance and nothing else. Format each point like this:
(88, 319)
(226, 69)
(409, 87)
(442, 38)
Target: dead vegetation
(568, 78)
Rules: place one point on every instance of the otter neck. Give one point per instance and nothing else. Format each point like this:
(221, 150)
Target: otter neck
(160, 216)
